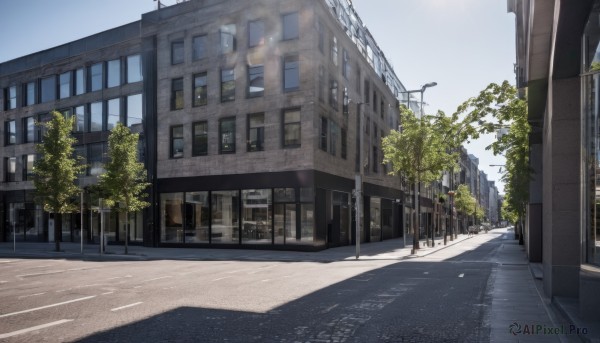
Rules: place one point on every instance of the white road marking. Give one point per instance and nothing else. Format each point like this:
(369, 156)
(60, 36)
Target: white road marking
(221, 278)
(461, 275)
(119, 277)
(34, 328)
(265, 280)
(6, 261)
(1, 282)
(158, 278)
(126, 306)
(38, 274)
(47, 306)
(137, 286)
(329, 308)
(107, 293)
(425, 273)
(31, 295)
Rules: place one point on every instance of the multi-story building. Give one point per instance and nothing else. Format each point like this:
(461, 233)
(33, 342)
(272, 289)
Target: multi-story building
(557, 67)
(252, 116)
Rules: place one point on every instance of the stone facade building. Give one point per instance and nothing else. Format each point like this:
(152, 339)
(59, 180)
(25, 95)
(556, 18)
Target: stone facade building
(249, 114)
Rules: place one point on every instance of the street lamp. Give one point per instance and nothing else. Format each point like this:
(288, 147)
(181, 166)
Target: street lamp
(417, 188)
(358, 177)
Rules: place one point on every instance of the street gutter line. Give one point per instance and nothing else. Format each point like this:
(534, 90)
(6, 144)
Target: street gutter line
(47, 306)
(34, 328)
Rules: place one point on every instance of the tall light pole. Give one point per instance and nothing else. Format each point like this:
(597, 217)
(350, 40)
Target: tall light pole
(417, 181)
(358, 177)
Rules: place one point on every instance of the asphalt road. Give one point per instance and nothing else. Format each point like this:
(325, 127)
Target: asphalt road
(442, 297)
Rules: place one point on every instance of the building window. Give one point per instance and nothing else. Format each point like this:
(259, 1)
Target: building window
(374, 130)
(177, 94)
(344, 137)
(113, 73)
(96, 117)
(80, 118)
(227, 35)
(227, 85)
(323, 136)
(256, 132)
(333, 93)
(334, 50)
(79, 81)
(28, 130)
(382, 109)
(321, 36)
(200, 138)
(375, 160)
(11, 97)
(200, 90)
(11, 132)
(177, 52)
(367, 92)
(333, 135)
(29, 92)
(40, 130)
(177, 141)
(199, 47)
(134, 109)
(291, 128)
(374, 101)
(96, 158)
(28, 161)
(256, 80)
(96, 80)
(290, 26)
(322, 84)
(256, 33)
(134, 68)
(291, 73)
(345, 64)
(345, 103)
(64, 86)
(227, 135)
(48, 89)
(10, 168)
(225, 214)
(114, 113)
(358, 82)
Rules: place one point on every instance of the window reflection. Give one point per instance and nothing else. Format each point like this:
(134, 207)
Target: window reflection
(196, 217)
(171, 230)
(225, 217)
(256, 216)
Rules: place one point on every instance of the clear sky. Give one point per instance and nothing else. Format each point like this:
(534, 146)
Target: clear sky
(463, 45)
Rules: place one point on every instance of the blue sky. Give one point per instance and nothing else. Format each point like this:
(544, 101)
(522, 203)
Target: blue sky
(463, 45)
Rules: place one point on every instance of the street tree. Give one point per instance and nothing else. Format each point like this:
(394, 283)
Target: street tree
(499, 106)
(421, 151)
(124, 181)
(464, 200)
(56, 171)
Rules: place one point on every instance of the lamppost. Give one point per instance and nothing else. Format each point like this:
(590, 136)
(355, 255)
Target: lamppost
(450, 195)
(417, 181)
(358, 177)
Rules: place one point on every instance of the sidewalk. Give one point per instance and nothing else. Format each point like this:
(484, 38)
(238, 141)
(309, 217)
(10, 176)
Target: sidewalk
(392, 249)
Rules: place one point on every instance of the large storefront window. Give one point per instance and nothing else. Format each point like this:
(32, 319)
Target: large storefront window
(375, 221)
(285, 215)
(225, 217)
(257, 209)
(196, 217)
(171, 209)
(591, 135)
(592, 161)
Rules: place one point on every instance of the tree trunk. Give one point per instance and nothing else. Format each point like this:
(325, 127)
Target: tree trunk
(57, 230)
(126, 230)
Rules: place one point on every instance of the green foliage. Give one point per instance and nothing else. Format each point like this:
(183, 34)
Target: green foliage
(420, 150)
(124, 181)
(595, 66)
(464, 200)
(57, 169)
(501, 103)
